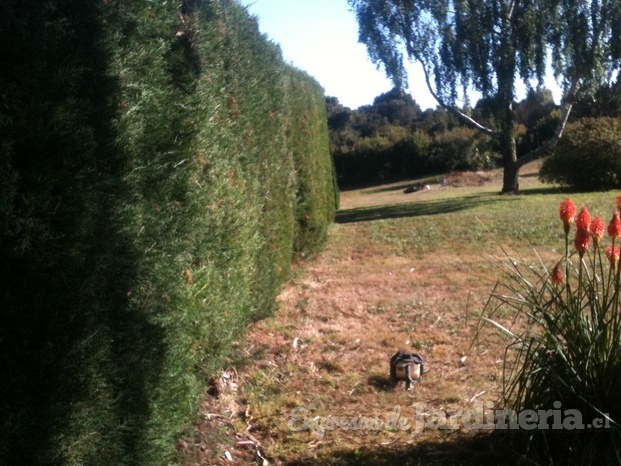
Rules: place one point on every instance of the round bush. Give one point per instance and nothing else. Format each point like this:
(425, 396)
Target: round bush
(588, 156)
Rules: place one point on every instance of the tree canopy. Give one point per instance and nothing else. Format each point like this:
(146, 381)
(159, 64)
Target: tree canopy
(488, 46)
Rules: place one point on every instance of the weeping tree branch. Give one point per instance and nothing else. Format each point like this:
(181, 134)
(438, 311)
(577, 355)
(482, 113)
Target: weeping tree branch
(406, 23)
(454, 109)
(547, 146)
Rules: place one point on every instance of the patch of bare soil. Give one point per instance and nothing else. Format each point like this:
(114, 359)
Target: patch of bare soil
(312, 386)
(481, 178)
(461, 179)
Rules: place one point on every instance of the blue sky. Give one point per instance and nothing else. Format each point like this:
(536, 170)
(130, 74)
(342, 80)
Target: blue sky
(321, 38)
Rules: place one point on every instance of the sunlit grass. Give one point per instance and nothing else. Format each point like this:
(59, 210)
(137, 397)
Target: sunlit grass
(476, 218)
(460, 233)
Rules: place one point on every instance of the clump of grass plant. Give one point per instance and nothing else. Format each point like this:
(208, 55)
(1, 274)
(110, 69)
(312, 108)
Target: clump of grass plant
(565, 342)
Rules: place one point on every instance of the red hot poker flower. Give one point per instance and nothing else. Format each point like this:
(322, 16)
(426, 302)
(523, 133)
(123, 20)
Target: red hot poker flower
(556, 277)
(567, 213)
(619, 203)
(597, 229)
(568, 210)
(613, 255)
(584, 219)
(614, 228)
(582, 241)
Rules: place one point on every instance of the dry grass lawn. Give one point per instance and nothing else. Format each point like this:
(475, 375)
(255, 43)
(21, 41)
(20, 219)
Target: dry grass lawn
(310, 386)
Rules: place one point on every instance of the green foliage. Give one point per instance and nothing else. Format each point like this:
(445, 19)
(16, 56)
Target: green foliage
(460, 149)
(156, 179)
(605, 102)
(397, 107)
(588, 157)
(540, 116)
(488, 46)
(415, 148)
(437, 120)
(564, 346)
(538, 132)
(537, 105)
(479, 44)
(392, 140)
(307, 139)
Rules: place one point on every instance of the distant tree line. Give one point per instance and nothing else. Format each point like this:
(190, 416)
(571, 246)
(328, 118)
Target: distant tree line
(395, 139)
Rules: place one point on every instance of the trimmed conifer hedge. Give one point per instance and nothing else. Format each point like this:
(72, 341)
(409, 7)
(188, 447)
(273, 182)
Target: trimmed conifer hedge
(160, 167)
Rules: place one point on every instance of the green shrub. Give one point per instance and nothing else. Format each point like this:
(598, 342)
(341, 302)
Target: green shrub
(414, 150)
(459, 149)
(397, 153)
(154, 186)
(588, 156)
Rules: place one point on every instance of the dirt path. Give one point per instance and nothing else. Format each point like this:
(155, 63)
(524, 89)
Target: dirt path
(311, 385)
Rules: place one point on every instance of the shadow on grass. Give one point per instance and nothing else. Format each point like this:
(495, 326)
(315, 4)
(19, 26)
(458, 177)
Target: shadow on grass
(416, 209)
(406, 184)
(544, 191)
(495, 448)
(481, 450)
(381, 383)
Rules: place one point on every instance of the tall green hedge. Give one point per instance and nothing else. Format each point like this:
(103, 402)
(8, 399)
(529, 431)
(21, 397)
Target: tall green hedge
(160, 167)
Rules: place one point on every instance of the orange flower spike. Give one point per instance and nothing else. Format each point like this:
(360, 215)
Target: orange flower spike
(582, 241)
(583, 221)
(614, 228)
(567, 213)
(597, 229)
(556, 277)
(613, 255)
(619, 203)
